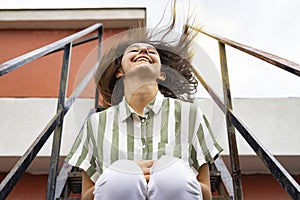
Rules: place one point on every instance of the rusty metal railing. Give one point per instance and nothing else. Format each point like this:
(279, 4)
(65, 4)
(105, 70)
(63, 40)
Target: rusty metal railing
(232, 121)
(56, 122)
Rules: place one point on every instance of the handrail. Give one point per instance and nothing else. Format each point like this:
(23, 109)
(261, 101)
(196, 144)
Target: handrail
(277, 61)
(276, 169)
(281, 175)
(63, 106)
(17, 62)
(19, 168)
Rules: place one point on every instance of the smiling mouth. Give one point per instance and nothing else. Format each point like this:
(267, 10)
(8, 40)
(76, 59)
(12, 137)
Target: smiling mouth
(142, 59)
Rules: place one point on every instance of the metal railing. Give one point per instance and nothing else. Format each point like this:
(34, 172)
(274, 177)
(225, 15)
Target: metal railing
(232, 121)
(56, 123)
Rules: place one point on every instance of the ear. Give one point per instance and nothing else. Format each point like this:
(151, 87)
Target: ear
(162, 76)
(119, 73)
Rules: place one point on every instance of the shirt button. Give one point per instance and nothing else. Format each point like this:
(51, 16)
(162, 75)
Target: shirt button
(143, 120)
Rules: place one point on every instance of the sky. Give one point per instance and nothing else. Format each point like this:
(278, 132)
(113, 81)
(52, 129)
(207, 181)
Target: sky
(269, 25)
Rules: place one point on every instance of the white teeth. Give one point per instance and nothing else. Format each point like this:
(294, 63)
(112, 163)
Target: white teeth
(142, 59)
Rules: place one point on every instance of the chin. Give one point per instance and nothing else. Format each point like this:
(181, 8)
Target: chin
(144, 71)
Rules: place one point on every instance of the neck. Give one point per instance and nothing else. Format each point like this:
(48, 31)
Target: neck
(139, 96)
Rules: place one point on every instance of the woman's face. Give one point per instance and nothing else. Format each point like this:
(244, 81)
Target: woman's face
(140, 58)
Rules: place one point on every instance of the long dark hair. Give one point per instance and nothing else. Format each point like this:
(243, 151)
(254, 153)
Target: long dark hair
(175, 54)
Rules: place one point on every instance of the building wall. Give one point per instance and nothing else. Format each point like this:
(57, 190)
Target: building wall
(28, 101)
(40, 78)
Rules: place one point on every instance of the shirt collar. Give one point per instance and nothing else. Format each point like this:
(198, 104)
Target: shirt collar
(154, 105)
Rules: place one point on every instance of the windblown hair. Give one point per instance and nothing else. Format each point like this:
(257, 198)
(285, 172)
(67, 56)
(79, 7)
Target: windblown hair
(175, 54)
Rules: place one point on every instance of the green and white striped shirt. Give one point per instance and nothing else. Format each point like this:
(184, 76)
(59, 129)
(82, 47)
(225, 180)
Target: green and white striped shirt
(169, 127)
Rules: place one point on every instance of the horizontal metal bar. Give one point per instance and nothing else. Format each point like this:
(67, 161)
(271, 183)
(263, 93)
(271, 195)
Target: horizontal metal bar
(282, 63)
(77, 43)
(20, 167)
(277, 170)
(26, 58)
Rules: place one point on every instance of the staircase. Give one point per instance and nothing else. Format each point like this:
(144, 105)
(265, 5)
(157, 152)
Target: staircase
(224, 185)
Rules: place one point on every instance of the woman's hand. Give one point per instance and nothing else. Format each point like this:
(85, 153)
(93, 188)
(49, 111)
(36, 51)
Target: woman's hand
(145, 165)
(87, 187)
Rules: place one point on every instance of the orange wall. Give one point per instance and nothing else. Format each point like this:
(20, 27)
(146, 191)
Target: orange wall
(29, 187)
(41, 77)
(255, 187)
(264, 187)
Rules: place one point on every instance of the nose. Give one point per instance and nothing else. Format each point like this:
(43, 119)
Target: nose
(143, 50)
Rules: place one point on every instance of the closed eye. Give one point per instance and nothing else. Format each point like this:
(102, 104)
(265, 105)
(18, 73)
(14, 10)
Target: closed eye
(152, 52)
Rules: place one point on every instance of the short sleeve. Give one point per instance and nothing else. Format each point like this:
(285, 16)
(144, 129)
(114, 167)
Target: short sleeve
(205, 148)
(81, 153)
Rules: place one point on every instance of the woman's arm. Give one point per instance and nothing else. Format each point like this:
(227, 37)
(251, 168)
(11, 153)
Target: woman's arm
(87, 187)
(204, 180)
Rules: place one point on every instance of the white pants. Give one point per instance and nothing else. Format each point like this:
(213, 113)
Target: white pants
(171, 178)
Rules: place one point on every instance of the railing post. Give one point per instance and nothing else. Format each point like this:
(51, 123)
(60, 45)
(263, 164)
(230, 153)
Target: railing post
(57, 133)
(234, 159)
(100, 33)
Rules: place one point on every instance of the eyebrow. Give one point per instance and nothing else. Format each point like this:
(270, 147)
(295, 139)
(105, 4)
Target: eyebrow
(138, 46)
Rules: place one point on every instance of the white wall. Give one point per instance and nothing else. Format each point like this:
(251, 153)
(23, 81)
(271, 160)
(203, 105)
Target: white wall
(275, 122)
(22, 120)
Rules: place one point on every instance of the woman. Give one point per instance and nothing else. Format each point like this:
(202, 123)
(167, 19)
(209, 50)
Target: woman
(150, 142)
